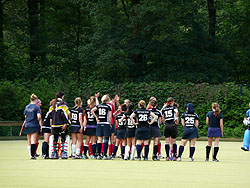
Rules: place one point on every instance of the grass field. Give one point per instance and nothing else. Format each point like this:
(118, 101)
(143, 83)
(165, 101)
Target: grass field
(16, 170)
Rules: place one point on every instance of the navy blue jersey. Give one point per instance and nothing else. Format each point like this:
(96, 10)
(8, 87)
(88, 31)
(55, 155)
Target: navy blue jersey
(103, 113)
(129, 123)
(213, 120)
(142, 115)
(158, 115)
(248, 113)
(75, 115)
(46, 120)
(31, 111)
(121, 125)
(189, 119)
(169, 114)
(90, 117)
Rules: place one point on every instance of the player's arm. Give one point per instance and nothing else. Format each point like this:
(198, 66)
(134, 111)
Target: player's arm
(182, 122)
(110, 118)
(123, 117)
(196, 123)
(221, 126)
(96, 98)
(85, 121)
(93, 112)
(154, 118)
(207, 120)
(132, 118)
(159, 120)
(81, 123)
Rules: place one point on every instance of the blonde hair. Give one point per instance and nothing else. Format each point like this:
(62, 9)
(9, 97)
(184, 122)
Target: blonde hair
(152, 101)
(216, 108)
(78, 102)
(92, 101)
(105, 99)
(33, 97)
(141, 104)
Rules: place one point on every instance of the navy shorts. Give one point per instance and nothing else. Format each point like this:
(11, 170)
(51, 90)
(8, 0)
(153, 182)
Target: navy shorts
(155, 132)
(46, 130)
(214, 132)
(170, 130)
(90, 131)
(103, 130)
(121, 133)
(143, 134)
(130, 133)
(115, 132)
(31, 130)
(113, 128)
(75, 129)
(190, 133)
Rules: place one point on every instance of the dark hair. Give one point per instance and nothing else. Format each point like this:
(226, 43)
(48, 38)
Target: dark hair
(131, 107)
(153, 104)
(170, 100)
(92, 102)
(190, 107)
(59, 94)
(124, 107)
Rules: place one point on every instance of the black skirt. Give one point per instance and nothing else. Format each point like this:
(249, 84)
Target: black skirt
(130, 133)
(121, 133)
(143, 134)
(190, 133)
(90, 132)
(155, 132)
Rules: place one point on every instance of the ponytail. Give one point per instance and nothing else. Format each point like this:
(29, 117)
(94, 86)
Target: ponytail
(33, 97)
(92, 102)
(216, 108)
(78, 102)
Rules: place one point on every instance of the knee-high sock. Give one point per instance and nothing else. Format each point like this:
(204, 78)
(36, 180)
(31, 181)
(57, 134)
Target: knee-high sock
(73, 149)
(216, 149)
(44, 148)
(90, 149)
(78, 151)
(123, 150)
(99, 147)
(181, 149)
(127, 149)
(138, 148)
(29, 149)
(208, 148)
(191, 153)
(114, 151)
(33, 149)
(36, 147)
(86, 147)
(159, 148)
(94, 149)
(174, 149)
(102, 148)
(110, 149)
(167, 149)
(146, 151)
(132, 152)
(81, 150)
(105, 148)
(155, 150)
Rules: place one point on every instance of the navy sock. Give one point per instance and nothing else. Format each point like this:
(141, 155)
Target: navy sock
(44, 148)
(208, 148)
(85, 150)
(146, 151)
(192, 150)
(115, 150)
(174, 149)
(216, 149)
(99, 147)
(181, 149)
(167, 149)
(155, 150)
(33, 149)
(138, 148)
(94, 149)
(105, 148)
(123, 150)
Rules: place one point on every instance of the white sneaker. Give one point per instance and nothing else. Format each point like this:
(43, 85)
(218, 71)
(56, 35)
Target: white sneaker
(179, 159)
(190, 159)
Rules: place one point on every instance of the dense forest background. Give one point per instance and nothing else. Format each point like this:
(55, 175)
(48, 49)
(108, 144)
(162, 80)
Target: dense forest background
(195, 51)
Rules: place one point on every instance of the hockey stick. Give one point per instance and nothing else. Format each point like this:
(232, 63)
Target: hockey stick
(22, 128)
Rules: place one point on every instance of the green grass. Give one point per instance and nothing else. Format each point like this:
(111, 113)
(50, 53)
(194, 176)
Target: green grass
(16, 170)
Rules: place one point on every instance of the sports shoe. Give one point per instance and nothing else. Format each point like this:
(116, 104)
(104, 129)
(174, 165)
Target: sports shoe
(106, 158)
(78, 156)
(155, 158)
(99, 157)
(179, 159)
(37, 155)
(207, 160)
(191, 159)
(244, 148)
(174, 158)
(160, 156)
(138, 159)
(132, 158)
(168, 159)
(145, 159)
(85, 157)
(43, 156)
(33, 158)
(54, 155)
(64, 155)
(216, 160)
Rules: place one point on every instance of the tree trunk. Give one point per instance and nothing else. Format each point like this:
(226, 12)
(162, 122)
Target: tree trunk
(33, 21)
(78, 66)
(212, 17)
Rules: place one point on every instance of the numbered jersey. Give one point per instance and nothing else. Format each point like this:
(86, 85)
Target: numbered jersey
(46, 121)
(189, 119)
(103, 113)
(75, 115)
(142, 116)
(121, 125)
(158, 114)
(169, 114)
(90, 117)
(129, 123)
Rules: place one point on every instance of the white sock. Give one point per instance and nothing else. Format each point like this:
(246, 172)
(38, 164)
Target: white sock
(29, 150)
(73, 149)
(132, 152)
(127, 149)
(78, 151)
